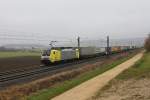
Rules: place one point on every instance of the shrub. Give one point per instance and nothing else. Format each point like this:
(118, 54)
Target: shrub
(147, 44)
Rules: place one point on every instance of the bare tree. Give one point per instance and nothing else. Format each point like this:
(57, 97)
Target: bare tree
(147, 43)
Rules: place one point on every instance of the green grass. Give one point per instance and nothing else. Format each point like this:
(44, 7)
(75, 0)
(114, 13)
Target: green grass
(9, 54)
(139, 70)
(66, 85)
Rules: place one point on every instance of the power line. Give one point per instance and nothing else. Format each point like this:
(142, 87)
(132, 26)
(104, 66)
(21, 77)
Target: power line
(85, 41)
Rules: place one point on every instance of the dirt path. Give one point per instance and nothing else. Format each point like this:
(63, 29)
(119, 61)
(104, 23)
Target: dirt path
(89, 88)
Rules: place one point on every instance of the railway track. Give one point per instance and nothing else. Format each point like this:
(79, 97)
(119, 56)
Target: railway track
(25, 75)
(19, 76)
(15, 71)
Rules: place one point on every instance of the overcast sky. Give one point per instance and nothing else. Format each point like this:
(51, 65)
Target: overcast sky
(70, 18)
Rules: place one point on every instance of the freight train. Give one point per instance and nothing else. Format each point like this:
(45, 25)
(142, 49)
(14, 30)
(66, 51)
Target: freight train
(64, 54)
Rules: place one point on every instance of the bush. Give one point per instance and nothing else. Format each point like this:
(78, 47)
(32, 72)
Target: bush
(147, 44)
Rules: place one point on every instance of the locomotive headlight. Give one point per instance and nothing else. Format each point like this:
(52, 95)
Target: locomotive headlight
(45, 57)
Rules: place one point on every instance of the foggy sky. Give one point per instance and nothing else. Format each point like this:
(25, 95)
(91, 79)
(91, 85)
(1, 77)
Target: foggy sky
(71, 18)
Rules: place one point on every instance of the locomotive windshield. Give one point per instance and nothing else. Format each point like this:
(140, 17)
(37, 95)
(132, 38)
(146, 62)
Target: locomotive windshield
(46, 53)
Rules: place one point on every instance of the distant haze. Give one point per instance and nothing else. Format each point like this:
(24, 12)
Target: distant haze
(67, 19)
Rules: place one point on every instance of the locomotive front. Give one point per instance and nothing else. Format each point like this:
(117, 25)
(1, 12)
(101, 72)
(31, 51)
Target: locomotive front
(45, 57)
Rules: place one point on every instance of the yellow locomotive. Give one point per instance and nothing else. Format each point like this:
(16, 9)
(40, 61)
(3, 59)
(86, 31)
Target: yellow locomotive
(57, 55)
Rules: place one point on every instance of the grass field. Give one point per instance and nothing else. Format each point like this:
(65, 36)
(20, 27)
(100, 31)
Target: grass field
(139, 70)
(47, 94)
(9, 54)
(132, 84)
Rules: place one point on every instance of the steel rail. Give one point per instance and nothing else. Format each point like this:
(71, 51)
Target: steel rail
(16, 74)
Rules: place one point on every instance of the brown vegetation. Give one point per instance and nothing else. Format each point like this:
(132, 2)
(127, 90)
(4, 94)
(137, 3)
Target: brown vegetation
(147, 44)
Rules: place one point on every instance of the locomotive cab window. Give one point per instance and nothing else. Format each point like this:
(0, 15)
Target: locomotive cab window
(46, 53)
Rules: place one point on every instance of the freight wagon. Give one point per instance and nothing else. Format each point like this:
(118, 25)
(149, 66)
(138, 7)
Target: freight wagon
(115, 49)
(91, 51)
